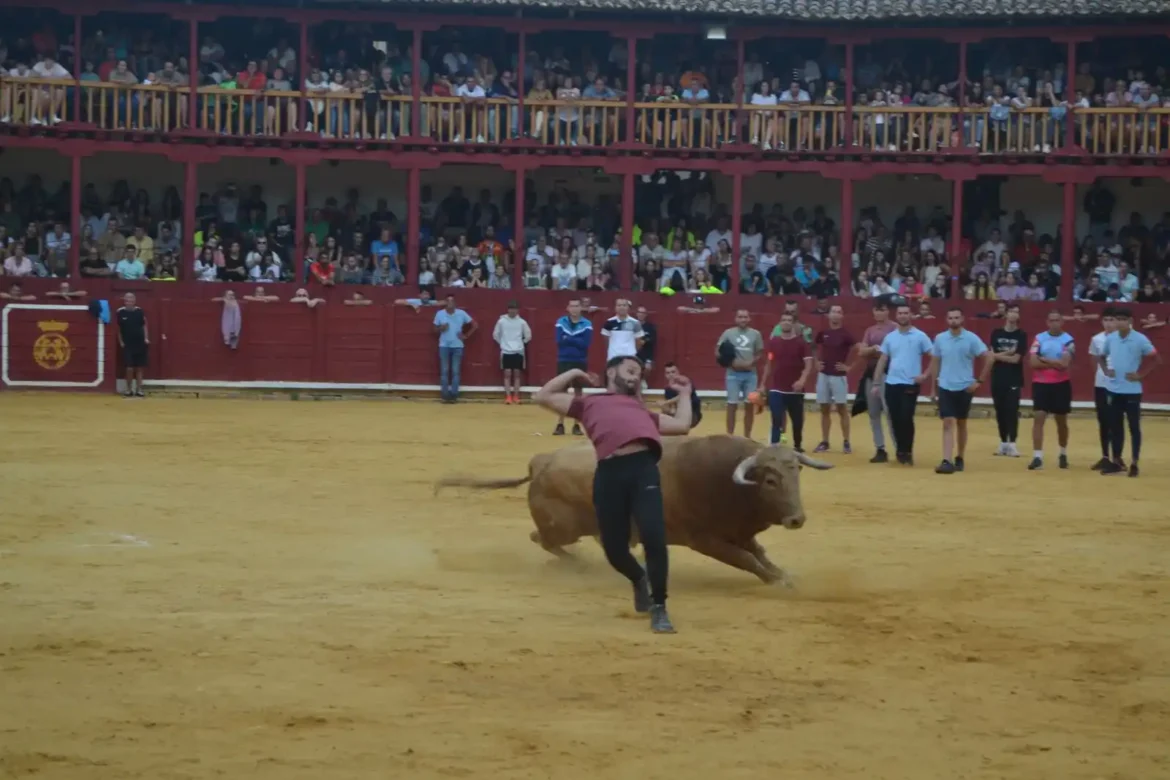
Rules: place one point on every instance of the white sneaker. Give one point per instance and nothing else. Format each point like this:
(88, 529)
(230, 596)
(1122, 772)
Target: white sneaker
(479, 139)
(1003, 448)
(457, 139)
(1012, 451)
(35, 121)
(5, 118)
(1047, 148)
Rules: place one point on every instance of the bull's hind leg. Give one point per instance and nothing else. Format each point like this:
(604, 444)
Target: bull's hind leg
(560, 552)
(726, 552)
(557, 525)
(756, 549)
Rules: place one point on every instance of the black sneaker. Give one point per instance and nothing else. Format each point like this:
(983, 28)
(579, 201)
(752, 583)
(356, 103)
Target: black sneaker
(959, 464)
(1063, 462)
(1112, 469)
(1133, 470)
(1100, 464)
(576, 430)
(559, 430)
(642, 596)
(1036, 464)
(659, 620)
(881, 456)
(944, 468)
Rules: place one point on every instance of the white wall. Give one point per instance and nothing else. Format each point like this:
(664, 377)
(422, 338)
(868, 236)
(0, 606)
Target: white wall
(891, 194)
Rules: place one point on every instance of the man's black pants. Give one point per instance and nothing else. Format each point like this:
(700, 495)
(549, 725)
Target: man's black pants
(901, 401)
(1122, 407)
(1006, 400)
(625, 487)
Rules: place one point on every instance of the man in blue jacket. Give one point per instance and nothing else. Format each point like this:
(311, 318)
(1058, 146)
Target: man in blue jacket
(574, 335)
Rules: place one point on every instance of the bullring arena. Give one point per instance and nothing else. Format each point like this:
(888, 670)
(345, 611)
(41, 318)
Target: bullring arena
(266, 589)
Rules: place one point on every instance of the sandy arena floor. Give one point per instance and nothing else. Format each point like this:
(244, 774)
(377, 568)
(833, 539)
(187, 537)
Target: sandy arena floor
(268, 589)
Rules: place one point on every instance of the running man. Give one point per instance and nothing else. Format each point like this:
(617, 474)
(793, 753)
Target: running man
(742, 346)
(134, 339)
(1009, 344)
(871, 350)
(574, 335)
(1101, 388)
(512, 334)
(834, 348)
(902, 352)
(627, 439)
(952, 367)
(1123, 359)
(670, 403)
(1051, 354)
(786, 374)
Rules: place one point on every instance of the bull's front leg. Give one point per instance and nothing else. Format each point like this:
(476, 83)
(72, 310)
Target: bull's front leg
(726, 552)
(760, 554)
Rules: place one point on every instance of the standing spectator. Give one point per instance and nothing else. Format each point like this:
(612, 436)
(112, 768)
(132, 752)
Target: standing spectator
(649, 340)
(623, 332)
(835, 346)
(738, 350)
(902, 350)
(1009, 344)
(1123, 358)
(787, 371)
(512, 334)
(1051, 354)
(134, 340)
(952, 367)
(449, 324)
(574, 334)
(1101, 388)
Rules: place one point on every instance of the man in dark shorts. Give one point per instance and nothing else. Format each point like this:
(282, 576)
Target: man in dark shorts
(1050, 356)
(627, 439)
(574, 335)
(672, 377)
(952, 366)
(134, 340)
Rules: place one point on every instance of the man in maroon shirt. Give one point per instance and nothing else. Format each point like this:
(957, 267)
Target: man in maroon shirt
(786, 375)
(627, 438)
(834, 348)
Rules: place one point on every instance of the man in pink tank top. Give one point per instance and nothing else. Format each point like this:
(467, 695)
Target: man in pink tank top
(627, 439)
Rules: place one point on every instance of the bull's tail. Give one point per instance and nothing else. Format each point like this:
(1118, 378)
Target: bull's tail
(480, 484)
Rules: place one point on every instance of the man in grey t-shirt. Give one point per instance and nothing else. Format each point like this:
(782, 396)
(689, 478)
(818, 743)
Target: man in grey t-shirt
(744, 346)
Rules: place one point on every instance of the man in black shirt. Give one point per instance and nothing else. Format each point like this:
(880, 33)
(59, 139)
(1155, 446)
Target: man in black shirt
(672, 375)
(134, 339)
(649, 340)
(1008, 345)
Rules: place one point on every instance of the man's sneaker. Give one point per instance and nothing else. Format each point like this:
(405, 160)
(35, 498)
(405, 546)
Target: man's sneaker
(1063, 462)
(1100, 464)
(822, 447)
(1112, 469)
(881, 456)
(659, 620)
(1013, 450)
(576, 430)
(559, 430)
(1003, 448)
(508, 400)
(1133, 470)
(139, 394)
(944, 468)
(1036, 464)
(642, 595)
(959, 464)
(128, 394)
(847, 448)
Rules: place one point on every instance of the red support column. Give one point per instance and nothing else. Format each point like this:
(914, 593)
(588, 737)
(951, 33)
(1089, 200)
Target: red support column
(624, 271)
(299, 223)
(75, 213)
(960, 98)
(193, 76)
(518, 228)
(1070, 90)
(849, 47)
(416, 43)
(521, 122)
(77, 67)
(1068, 243)
(306, 112)
(736, 221)
(845, 242)
(631, 92)
(956, 223)
(187, 237)
(413, 223)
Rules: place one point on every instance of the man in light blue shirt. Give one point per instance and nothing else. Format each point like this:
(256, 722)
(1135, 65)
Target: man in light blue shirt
(450, 323)
(952, 365)
(1121, 359)
(900, 369)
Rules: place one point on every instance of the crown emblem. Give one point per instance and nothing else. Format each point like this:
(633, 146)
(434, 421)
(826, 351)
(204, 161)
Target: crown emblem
(53, 326)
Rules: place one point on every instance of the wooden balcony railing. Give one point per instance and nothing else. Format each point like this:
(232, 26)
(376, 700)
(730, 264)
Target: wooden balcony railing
(363, 117)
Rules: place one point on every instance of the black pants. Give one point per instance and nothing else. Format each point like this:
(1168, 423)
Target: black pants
(791, 404)
(1123, 406)
(1104, 419)
(901, 401)
(1006, 400)
(628, 486)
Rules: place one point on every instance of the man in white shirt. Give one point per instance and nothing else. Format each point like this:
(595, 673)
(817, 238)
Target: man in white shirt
(50, 102)
(253, 258)
(994, 243)
(564, 274)
(933, 242)
(1101, 385)
(542, 253)
(455, 61)
(623, 332)
(470, 90)
(512, 334)
(721, 232)
(1127, 281)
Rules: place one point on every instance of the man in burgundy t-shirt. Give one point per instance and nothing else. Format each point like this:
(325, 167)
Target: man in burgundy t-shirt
(786, 375)
(627, 439)
(834, 348)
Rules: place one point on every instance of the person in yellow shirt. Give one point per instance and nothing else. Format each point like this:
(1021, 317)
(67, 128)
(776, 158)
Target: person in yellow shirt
(145, 246)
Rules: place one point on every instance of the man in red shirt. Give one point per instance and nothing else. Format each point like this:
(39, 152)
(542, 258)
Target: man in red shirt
(786, 374)
(627, 439)
(834, 348)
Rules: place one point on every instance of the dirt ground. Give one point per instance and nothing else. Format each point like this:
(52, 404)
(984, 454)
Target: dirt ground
(268, 589)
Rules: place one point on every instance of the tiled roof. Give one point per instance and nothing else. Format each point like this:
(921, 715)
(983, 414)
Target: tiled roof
(854, 10)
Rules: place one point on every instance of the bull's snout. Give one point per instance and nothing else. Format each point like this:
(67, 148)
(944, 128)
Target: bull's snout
(793, 521)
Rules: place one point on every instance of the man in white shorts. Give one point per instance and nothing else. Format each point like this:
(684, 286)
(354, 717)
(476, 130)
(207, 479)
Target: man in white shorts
(835, 347)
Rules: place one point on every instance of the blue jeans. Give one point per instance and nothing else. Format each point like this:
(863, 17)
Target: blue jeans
(449, 360)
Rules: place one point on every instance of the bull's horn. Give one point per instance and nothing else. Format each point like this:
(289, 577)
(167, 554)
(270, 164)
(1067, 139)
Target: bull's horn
(812, 463)
(739, 476)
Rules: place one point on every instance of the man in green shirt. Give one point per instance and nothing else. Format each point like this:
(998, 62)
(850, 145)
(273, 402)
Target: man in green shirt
(738, 350)
(792, 307)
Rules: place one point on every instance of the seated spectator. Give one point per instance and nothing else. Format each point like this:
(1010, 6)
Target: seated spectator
(534, 278)
(130, 266)
(980, 289)
(18, 264)
(500, 279)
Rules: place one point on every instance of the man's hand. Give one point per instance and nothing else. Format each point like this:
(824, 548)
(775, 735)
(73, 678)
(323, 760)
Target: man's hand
(920, 379)
(875, 389)
(589, 377)
(1132, 376)
(821, 366)
(1109, 372)
(683, 386)
(798, 386)
(443, 327)
(973, 387)
(842, 368)
(460, 335)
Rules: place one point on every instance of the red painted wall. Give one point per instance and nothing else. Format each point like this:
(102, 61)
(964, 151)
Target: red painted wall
(383, 343)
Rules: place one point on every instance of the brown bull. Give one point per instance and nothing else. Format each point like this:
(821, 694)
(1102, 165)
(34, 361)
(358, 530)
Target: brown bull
(718, 493)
